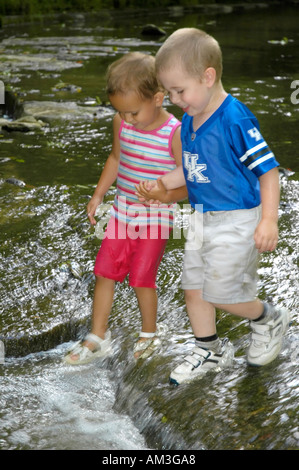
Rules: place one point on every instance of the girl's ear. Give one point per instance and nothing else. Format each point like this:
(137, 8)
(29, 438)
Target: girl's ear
(210, 76)
(159, 98)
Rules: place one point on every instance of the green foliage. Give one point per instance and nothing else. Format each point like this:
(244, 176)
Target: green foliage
(31, 7)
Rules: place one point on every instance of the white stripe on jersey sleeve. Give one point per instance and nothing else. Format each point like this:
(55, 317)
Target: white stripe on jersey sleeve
(260, 160)
(253, 150)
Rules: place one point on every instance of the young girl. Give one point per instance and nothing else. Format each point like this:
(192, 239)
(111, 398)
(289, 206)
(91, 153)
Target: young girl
(146, 145)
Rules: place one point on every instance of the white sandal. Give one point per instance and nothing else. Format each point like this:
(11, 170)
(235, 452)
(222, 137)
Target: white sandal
(147, 347)
(86, 355)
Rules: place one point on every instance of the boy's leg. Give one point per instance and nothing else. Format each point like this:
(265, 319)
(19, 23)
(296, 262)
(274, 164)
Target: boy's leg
(251, 310)
(209, 351)
(201, 314)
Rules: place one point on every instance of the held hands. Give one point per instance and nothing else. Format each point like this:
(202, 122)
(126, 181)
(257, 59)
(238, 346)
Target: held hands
(266, 235)
(152, 192)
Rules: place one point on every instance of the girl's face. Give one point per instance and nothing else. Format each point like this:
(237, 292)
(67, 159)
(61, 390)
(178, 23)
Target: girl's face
(141, 113)
(187, 92)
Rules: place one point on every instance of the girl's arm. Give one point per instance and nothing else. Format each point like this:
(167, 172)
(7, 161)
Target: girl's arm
(178, 193)
(266, 233)
(170, 187)
(109, 172)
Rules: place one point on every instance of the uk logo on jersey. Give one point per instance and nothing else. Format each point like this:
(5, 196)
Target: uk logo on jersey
(194, 169)
(255, 134)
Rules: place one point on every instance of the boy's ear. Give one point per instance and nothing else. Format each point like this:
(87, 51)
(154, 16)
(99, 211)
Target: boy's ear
(210, 76)
(159, 98)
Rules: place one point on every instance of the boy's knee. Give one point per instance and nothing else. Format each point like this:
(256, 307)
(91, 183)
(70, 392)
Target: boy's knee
(192, 294)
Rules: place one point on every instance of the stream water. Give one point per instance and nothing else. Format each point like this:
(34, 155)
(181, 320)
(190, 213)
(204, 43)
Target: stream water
(56, 68)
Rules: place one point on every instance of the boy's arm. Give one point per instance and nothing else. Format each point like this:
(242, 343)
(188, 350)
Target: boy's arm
(109, 172)
(266, 233)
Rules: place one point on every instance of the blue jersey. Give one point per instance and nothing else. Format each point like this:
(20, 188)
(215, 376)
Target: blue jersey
(224, 158)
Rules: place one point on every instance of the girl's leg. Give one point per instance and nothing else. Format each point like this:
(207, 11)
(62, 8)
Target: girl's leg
(148, 304)
(145, 262)
(102, 303)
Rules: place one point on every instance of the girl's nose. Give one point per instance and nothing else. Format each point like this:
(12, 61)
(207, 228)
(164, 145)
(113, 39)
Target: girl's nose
(128, 117)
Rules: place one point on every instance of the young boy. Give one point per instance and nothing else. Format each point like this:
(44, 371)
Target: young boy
(233, 185)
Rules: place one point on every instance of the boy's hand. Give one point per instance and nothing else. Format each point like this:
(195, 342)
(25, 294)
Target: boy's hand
(266, 235)
(92, 207)
(153, 192)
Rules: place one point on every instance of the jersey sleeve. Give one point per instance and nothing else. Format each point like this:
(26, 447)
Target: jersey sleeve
(250, 147)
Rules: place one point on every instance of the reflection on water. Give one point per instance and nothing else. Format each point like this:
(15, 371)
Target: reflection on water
(47, 405)
(47, 251)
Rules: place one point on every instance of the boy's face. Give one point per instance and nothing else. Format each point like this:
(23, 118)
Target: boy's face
(186, 91)
(141, 113)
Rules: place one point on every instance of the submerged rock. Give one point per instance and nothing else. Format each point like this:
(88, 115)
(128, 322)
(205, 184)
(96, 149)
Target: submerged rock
(23, 124)
(66, 87)
(152, 30)
(50, 110)
(12, 107)
(15, 181)
(36, 62)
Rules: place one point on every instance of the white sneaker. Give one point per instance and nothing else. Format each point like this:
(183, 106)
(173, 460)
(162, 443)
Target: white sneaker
(200, 361)
(266, 338)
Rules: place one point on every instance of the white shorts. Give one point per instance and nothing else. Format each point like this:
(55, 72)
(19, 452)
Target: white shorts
(220, 255)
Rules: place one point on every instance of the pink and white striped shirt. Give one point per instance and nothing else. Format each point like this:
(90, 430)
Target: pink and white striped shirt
(144, 155)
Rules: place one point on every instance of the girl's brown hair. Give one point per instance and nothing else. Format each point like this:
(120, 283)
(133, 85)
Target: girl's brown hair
(133, 72)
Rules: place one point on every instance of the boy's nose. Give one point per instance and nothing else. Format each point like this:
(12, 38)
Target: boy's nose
(174, 98)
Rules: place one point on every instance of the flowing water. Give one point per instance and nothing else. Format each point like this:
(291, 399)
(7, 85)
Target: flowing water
(55, 67)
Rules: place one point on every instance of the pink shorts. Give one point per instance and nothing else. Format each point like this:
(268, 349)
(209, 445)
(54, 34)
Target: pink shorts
(121, 255)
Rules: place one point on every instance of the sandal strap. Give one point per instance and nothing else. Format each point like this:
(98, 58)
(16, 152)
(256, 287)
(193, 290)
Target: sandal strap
(142, 345)
(143, 334)
(92, 338)
(81, 351)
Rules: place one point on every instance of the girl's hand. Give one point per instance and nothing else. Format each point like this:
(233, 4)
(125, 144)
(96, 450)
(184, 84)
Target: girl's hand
(92, 207)
(153, 192)
(266, 235)
(143, 190)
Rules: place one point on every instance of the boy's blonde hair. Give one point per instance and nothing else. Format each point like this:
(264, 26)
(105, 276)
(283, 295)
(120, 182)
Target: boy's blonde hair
(193, 49)
(136, 72)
